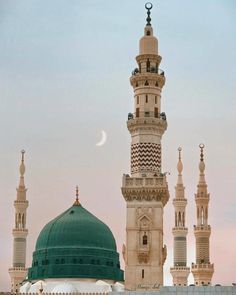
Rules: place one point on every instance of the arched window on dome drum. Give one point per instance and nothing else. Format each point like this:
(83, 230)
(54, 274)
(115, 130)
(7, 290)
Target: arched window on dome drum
(62, 261)
(145, 239)
(57, 261)
(81, 261)
(74, 260)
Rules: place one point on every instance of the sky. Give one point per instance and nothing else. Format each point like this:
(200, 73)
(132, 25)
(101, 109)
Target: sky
(65, 68)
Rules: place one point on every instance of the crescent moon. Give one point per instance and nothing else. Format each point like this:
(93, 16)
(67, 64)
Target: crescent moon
(103, 139)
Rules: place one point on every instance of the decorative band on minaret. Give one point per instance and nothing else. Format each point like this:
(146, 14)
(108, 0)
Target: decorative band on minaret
(202, 270)
(180, 271)
(18, 271)
(146, 190)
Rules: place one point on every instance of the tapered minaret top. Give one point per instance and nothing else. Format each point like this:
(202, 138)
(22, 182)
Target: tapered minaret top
(18, 271)
(180, 271)
(202, 270)
(148, 43)
(145, 190)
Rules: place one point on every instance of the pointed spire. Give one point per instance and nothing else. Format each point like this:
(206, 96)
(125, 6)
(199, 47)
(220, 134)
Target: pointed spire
(77, 202)
(148, 6)
(22, 169)
(180, 167)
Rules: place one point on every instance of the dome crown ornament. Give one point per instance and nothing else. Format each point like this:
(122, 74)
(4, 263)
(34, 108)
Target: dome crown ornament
(77, 202)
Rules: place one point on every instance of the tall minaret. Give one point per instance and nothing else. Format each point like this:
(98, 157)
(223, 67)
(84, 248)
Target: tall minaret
(18, 271)
(180, 271)
(146, 190)
(202, 270)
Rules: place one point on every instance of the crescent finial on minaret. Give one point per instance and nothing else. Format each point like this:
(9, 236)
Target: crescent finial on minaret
(180, 164)
(201, 164)
(77, 202)
(148, 6)
(22, 168)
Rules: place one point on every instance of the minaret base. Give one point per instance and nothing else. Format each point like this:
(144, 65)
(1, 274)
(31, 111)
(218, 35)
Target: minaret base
(202, 273)
(180, 275)
(17, 274)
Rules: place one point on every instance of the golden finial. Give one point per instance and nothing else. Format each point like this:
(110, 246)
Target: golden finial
(180, 165)
(180, 149)
(201, 164)
(77, 203)
(22, 165)
(22, 155)
(201, 145)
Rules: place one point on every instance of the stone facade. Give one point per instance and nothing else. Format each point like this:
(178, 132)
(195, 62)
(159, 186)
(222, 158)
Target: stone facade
(146, 190)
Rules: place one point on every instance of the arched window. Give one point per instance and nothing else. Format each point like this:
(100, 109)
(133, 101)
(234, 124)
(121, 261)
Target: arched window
(202, 216)
(145, 239)
(146, 83)
(179, 221)
(23, 220)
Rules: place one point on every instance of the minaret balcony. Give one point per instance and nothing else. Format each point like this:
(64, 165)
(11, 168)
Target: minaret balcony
(145, 188)
(152, 70)
(180, 268)
(202, 227)
(154, 78)
(147, 120)
(180, 231)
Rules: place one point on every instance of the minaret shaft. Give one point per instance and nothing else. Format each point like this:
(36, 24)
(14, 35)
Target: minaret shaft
(146, 190)
(180, 271)
(18, 271)
(202, 270)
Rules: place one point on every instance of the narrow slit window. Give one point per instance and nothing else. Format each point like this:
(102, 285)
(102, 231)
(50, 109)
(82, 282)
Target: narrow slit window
(142, 273)
(146, 98)
(145, 239)
(155, 99)
(137, 99)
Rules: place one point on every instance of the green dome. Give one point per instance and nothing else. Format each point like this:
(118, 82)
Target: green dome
(76, 244)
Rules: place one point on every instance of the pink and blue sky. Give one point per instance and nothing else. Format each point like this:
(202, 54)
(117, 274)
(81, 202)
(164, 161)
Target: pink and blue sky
(65, 68)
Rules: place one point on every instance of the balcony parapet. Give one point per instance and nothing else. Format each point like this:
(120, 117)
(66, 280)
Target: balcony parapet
(209, 266)
(147, 79)
(180, 268)
(145, 188)
(202, 227)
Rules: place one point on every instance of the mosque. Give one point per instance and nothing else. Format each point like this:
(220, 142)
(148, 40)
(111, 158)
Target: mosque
(76, 252)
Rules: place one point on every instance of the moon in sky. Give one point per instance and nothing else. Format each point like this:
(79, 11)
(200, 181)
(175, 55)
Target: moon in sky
(103, 139)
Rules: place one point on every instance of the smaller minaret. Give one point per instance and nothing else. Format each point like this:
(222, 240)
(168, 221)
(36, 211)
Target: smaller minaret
(180, 271)
(202, 270)
(18, 271)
